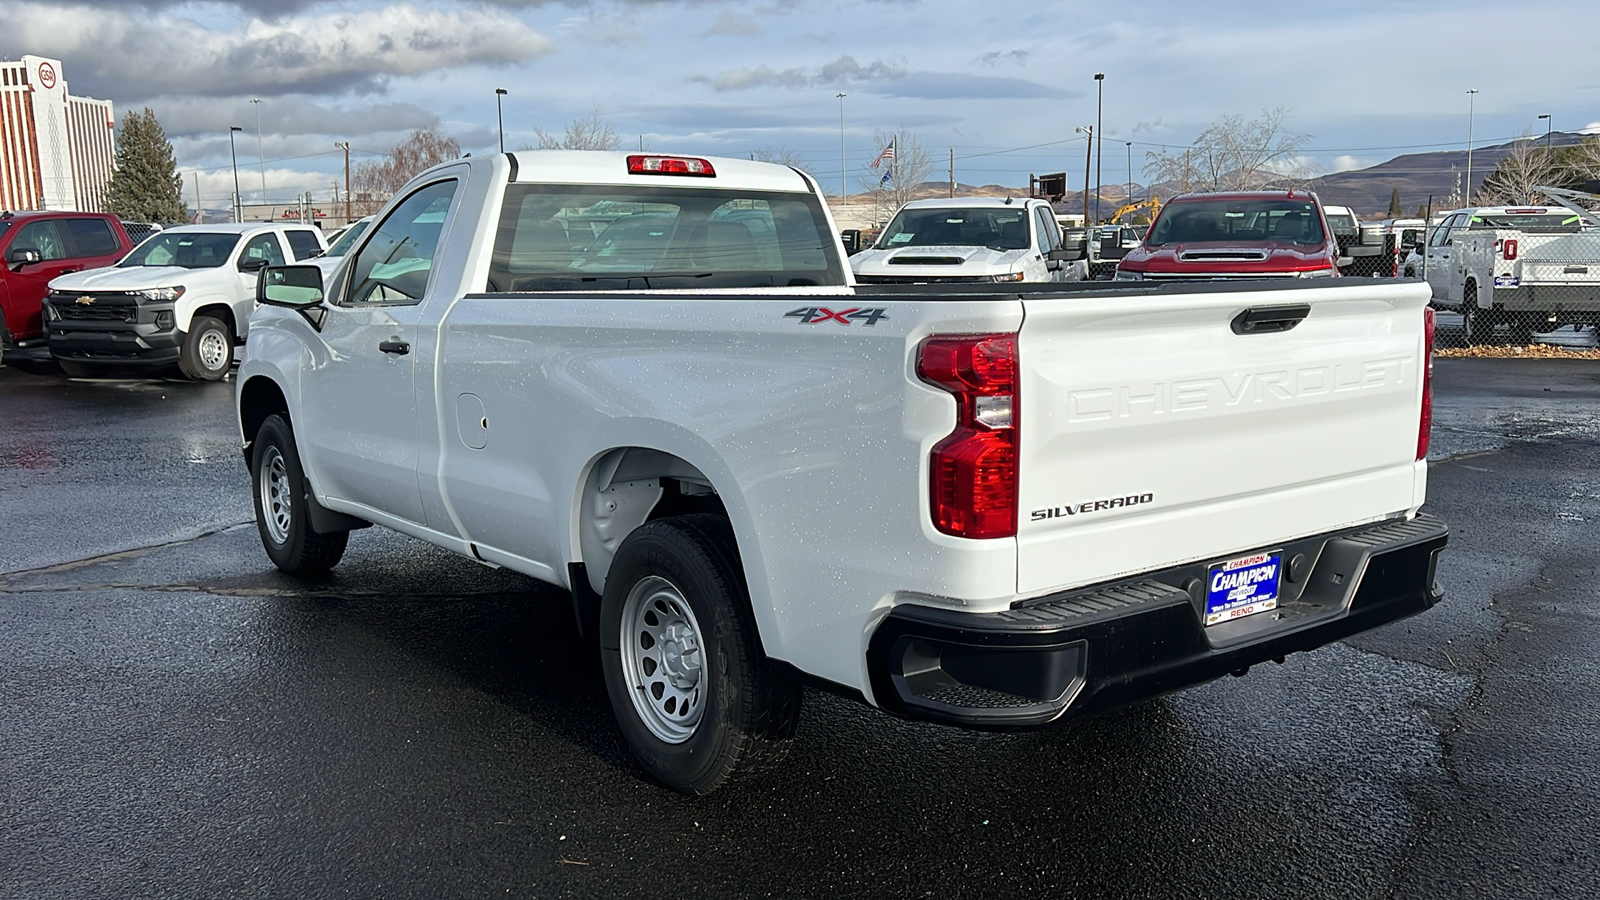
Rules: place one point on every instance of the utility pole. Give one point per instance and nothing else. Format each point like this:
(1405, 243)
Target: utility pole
(1099, 160)
(345, 146)
(1548, 122)
(198, 205)
(1088, 156)
(844, 186)
(1130, 172)
(952, 171)
(260, 159)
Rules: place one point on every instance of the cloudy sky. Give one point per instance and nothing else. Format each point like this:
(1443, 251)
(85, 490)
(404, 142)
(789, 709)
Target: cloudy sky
(1003, 85)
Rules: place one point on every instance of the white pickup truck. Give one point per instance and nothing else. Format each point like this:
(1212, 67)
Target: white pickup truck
(972, 240)
(651, 381)
(183, 295)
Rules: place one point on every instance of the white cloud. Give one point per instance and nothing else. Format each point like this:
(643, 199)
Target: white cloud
(143, 54)
(730, 24)
(1347, 163)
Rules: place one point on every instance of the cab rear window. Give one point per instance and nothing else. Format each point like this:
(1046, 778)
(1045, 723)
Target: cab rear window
(600, 237)
(1550, 223)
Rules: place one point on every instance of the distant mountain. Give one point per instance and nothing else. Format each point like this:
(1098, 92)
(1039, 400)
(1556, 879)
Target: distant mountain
(1416, 175)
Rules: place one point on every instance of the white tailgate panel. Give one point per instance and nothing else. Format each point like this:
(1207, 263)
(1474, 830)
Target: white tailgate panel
(1227, 442)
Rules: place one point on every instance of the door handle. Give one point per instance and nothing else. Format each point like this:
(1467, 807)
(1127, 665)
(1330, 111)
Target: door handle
(1264, 319)
(69, 270)
(399, 348)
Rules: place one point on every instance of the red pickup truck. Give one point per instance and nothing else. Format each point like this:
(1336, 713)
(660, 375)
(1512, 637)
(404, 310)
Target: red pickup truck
(39, 246)
(1246, 234)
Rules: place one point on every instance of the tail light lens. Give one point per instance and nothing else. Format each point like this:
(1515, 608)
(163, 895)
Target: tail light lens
(974, 469)
(1425, 425)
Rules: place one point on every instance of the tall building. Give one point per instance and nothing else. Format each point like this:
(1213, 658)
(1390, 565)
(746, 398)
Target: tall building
(56, 150)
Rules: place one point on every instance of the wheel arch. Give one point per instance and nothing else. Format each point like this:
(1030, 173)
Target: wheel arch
(215, 307)
(259, 398)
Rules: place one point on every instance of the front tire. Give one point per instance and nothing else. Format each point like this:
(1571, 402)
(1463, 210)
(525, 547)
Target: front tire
(282, 516)
(207, 351)
(694, 696)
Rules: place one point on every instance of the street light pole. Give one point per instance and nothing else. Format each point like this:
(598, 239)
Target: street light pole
(238, 207)
(260, 159)
(499, 117)
(844, 187)
(1547, 123)
(1099, 141)
(1472, 99)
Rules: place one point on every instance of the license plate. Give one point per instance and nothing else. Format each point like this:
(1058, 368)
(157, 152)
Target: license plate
(1243, 587)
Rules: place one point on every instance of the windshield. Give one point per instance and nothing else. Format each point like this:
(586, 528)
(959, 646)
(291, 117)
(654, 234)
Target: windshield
(348, 239)
(581, 237)
(997, 229)
(1560, 223)
(1283, 220)
(189, 249)
(1342, 224)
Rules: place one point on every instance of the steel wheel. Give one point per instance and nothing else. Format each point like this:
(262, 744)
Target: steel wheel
(662, 659)
(275, 504)
(213, 350)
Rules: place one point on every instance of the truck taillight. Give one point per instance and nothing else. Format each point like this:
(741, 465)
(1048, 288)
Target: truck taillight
(1425, 425)
(974, 470)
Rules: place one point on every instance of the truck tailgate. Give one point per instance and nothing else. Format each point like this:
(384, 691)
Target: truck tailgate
(1154, 432)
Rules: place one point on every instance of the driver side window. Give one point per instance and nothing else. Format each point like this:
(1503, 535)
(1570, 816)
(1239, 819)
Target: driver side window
(41, 236)
(394, 265)
(262, 246)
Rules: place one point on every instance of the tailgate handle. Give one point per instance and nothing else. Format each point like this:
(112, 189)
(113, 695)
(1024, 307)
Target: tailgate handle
(1265, 319)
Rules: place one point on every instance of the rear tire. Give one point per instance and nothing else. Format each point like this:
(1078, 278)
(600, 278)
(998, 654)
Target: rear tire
(1476, 322)
(694, 696)
(282, 514)
(207, 351)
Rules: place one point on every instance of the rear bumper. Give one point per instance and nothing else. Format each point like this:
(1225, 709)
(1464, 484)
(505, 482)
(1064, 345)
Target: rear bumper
(1083, 651)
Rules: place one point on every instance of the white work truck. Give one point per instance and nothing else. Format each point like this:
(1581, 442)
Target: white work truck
(183, 295)
(650, 380)
(1531, 268)
(972, 240)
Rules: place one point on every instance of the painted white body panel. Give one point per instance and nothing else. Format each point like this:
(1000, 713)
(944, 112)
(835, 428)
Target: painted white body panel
(816, 437)
(222, 285)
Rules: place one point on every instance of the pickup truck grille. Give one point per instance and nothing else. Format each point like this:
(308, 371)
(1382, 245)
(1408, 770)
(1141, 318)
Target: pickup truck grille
(95, 307)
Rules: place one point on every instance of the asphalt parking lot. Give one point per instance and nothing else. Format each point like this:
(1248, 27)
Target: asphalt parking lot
(179, 720)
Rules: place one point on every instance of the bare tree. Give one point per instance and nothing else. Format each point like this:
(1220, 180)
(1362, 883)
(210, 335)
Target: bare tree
(783, 156)
(592, 132)
(375, 181)
(1234, 155)
(1516, 180)
(1588, 158)
(896, 181)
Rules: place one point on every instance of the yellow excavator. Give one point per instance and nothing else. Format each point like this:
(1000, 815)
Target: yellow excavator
(1153, 204)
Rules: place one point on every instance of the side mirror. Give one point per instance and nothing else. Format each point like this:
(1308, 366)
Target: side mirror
(293, 287)
(23, 256)
(1066, 254)
(852, 240)
(252, 265)
(1344, 261)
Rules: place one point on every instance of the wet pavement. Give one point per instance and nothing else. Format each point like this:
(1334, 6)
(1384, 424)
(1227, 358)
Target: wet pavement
(177, 719)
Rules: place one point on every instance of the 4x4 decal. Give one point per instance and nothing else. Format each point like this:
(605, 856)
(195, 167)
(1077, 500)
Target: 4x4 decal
(811, 315)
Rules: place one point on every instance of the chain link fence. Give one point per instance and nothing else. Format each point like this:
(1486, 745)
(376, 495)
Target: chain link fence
(1537, 284)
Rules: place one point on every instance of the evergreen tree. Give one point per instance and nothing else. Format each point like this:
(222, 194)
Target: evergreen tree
(1394, 204)
(1422, 211)
(146, 186)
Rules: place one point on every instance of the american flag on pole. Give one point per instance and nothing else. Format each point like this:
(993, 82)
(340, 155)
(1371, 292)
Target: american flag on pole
(888, 153)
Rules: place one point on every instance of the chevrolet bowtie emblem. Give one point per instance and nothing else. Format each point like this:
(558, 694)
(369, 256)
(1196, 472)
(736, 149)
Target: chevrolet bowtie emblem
(85, 301)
